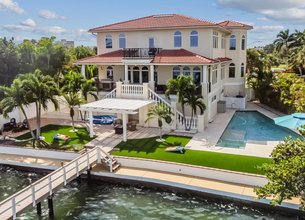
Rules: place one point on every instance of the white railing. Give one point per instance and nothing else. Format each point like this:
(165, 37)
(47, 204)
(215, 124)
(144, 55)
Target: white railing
(154, 96)
(132, 90)
(110, 95)
(48, 184)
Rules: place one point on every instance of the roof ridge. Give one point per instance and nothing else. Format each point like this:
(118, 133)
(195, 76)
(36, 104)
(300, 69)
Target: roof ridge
(198, 19)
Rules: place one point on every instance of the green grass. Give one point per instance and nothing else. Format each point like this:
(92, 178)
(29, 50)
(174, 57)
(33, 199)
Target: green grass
(149, 148)
(76, 141)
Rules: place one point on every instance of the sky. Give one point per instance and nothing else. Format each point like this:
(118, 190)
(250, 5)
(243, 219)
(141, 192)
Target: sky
(71, 19)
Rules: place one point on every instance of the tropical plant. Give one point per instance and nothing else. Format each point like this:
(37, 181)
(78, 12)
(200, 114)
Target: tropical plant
(40, 89)
(283, 43)
(286, 173)
(161, 112)
(195, 102)
(181, 86)
(14, 96)
(72, 100)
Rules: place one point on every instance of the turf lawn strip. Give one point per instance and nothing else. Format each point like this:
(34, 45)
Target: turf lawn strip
(151, 149)
(76, 141)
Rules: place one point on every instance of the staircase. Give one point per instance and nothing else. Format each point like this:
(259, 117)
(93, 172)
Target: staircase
(109, 161)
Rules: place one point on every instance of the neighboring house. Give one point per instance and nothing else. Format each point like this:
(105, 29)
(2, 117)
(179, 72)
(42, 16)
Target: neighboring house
(157, 48)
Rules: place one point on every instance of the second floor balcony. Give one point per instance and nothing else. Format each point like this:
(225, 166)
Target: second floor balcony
(133, 53)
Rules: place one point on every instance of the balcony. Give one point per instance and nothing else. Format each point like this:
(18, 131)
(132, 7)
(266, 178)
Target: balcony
(136, 53)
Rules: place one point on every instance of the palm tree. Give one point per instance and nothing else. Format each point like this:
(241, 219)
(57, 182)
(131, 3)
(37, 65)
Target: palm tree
(194, 101)
(72, 100)
(14, 96)
(73, 82)
(182, 85)
(41, 89)
(283, 43)
(88, 88)
(161, 112)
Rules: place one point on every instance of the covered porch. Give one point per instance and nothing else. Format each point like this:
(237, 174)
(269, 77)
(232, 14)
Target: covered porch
(121, 107)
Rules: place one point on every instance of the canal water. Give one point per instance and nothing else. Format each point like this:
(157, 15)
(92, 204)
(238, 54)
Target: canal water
(100, 200)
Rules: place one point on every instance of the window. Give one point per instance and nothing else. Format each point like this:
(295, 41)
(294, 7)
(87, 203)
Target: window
(109, 72)
(222, 72)
(177, 39)
(122, 41)
(151, 42)
(196, 75)
(176, 72)
(144, 74)
(186, 71)
(232, 70)
(209, 79)
(214, 74)
(223, 41)
(233, 42)
(136, 74)
(108, 41)
(215, 39)
(242, 70)
(214, 98)
(129, 74)
(194, 39)
(243, 42)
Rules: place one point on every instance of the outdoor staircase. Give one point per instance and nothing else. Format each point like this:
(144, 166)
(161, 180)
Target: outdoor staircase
(109, 161)
(138, 91)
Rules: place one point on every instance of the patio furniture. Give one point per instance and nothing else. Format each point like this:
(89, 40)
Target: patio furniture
(10, 125)
(132, 126)
(118, 121)
(118, 129)
(61, 137)
(179, 149)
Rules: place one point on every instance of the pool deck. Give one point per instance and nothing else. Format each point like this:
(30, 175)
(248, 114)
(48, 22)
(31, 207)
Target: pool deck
(208, 139)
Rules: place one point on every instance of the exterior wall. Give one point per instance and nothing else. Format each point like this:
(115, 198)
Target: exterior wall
(118, 72)
(163, 39)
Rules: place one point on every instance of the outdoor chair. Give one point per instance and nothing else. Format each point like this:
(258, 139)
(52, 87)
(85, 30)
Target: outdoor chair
(132, 126)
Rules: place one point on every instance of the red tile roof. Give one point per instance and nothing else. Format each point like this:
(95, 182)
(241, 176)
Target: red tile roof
(155, 22)
(181, 56)
(111, 57)
(234, 24)
(223, 59)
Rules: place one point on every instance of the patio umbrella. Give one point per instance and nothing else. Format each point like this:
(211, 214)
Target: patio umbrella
(292, 121)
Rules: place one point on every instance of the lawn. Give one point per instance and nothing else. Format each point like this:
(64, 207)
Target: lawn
(149, 148)
(76, 141)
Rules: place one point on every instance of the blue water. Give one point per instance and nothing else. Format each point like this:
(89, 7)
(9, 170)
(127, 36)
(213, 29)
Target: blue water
(252, 126)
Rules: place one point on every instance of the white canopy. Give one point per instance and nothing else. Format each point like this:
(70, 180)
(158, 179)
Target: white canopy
(122, 106)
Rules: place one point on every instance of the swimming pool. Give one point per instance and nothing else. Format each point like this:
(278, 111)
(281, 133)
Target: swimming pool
(252, 126)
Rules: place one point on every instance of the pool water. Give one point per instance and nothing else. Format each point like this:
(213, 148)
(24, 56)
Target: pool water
(252, 126)
(99, 200)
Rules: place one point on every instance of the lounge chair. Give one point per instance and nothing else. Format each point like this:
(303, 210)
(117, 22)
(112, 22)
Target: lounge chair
(61, 137)
(180, 149)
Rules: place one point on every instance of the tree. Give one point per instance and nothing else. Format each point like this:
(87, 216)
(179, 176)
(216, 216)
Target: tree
(161, 112)
(182, 85)
(194, 101)
(72, 100)
(286, 174)
(14, 96)
(283, 42)
(40, 89)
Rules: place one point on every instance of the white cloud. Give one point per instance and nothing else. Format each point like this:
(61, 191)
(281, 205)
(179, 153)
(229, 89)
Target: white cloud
(279, 10)
(28, 22)
(50, 15)
(11, 6)
(13, 27)
(268, 28)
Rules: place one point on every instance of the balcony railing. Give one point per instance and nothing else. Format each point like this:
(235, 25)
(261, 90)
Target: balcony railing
(141, 52)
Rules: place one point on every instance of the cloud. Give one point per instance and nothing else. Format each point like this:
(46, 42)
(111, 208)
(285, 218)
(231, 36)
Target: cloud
(28, 22)
(269, 28)
(52, 30)
(46, 14)
(11, 6)
(279, 10)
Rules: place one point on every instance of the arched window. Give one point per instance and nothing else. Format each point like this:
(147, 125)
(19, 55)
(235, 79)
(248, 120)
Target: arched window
(233, 42)
(194, 39)
(232, 70)
(176, 72)
(108, 41)
(144, 74)
(242, 70)
(109, 72)
(186, 71)
(136, 74)
(196, 75)
(177, 39)
(122, 41)
(243, 42)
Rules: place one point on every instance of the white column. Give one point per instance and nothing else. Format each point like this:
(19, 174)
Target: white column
(124, 127)
(201, 124)
(126, 74)
(219, 72)
(204, 74)
(83, 70)
(119, 89)
(145, 91)
(151, 79)
(91, 124)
